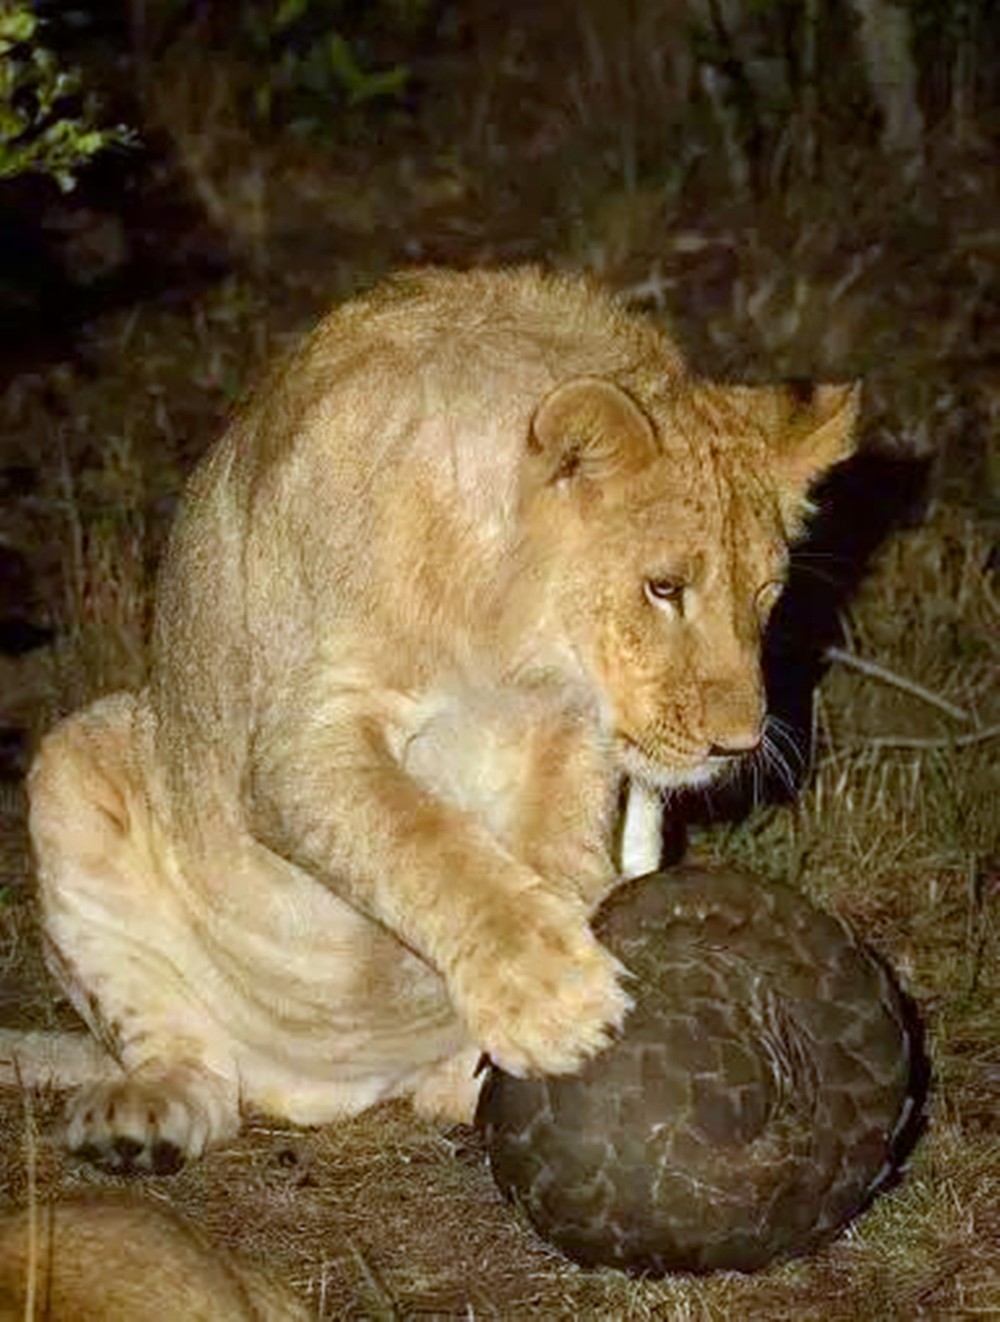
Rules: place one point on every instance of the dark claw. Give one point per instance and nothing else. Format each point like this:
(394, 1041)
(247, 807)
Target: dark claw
(124, 1154)
(165, 1158)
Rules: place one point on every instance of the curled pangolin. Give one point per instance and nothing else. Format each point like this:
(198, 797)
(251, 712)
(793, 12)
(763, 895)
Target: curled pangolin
(757, 1099)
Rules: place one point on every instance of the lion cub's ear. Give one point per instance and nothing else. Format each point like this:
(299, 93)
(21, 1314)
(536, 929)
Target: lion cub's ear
(809, 435)
(818, 432)
(590, 428)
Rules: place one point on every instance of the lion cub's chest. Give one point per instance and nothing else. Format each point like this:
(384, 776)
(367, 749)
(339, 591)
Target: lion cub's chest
(488, 751)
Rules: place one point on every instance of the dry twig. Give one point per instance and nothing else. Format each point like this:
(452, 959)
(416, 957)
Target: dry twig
(31, 1265)
(931, 742)
(876, 671)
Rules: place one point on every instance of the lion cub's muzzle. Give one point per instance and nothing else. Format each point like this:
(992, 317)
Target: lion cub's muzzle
(735, 746)
(734, 713)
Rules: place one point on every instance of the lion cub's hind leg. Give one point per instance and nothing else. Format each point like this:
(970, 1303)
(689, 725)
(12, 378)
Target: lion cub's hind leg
(121, 942)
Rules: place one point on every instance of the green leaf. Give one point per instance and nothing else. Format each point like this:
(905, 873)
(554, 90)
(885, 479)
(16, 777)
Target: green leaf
(36, 135)
(17, 25)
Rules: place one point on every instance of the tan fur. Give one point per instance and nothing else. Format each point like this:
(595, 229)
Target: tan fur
(122, 1260)
(480, 548)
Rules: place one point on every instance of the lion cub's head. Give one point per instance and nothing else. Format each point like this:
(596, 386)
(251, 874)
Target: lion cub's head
(658, 521)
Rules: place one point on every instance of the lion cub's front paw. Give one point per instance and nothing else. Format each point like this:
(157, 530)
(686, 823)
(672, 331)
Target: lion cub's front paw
(539, 993)
(148, 1125)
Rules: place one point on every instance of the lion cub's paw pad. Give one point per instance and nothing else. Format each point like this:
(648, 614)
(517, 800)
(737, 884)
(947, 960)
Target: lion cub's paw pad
(136, 1127)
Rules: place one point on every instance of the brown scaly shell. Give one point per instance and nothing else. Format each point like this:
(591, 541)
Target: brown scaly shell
(757, 1099)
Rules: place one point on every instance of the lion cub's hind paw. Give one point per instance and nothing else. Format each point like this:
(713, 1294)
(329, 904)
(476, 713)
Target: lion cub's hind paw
(143, 1126)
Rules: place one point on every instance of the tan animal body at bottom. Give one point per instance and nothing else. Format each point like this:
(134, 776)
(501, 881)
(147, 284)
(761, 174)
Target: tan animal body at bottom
(479, 550)
(104, 1260)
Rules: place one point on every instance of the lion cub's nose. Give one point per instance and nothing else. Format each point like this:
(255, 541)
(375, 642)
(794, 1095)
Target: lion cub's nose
(734, 713)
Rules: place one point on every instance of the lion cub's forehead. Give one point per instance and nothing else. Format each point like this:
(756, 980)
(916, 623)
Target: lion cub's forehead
(692, 530)
(704, 421)
(703, 503)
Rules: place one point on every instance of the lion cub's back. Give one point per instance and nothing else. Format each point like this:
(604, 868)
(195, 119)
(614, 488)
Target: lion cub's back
(429, 380)
(432, 337)
(495, 325)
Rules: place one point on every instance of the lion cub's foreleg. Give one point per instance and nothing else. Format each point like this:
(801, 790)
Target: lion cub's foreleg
(563, 814)
(558, 822)
(533, 986)
(122, 948)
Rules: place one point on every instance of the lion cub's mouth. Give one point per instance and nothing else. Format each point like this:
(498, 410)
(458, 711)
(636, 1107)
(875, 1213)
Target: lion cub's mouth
(671, 769)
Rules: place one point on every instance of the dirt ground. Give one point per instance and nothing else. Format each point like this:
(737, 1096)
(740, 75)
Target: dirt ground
(894, 825)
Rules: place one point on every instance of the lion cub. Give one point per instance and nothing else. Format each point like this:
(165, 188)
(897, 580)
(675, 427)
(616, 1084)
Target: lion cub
(481, 548)
(114, 1260)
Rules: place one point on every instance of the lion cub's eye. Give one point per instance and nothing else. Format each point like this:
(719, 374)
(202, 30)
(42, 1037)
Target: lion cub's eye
(662, 592)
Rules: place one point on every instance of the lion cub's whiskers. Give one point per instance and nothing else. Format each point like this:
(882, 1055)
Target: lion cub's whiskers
(780, 752)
